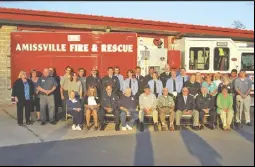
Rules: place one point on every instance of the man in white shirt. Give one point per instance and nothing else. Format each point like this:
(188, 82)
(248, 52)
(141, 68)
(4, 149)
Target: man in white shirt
(148, 105)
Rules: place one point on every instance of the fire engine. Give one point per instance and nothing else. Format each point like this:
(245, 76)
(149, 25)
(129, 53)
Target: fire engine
(204, 55)
(37, 50)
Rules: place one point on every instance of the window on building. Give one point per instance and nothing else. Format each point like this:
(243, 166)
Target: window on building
(247, 61)
(199, 58)
(221, 59)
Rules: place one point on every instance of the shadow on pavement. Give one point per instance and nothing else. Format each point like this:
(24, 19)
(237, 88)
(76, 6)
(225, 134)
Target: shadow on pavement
(199, 148)
(143, 150)
(248, 136)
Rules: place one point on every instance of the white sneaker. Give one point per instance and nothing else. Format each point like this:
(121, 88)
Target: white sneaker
(78, 127)
(124, 128)
(74, 127)
(128, 127)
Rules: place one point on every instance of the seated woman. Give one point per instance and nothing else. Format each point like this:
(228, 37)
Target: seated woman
(225, 107)
(74, 109)
(91, 104)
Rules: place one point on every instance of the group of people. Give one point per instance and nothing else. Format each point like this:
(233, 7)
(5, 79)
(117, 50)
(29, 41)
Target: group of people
(168, 94)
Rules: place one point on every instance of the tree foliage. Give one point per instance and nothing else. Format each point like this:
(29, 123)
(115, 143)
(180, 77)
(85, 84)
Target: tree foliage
(238, 25)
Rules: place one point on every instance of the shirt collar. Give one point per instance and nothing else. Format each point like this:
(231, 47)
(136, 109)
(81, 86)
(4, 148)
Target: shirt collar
(73, 100)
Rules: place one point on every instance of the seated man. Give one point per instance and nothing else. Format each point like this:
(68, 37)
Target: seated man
(148, 102)
(109, 104)
(225, 108)
(204, 105)
(186, 106)
(165, 106)
(74, 109)
(128, 105)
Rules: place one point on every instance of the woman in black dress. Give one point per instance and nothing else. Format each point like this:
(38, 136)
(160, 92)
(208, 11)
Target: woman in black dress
(22, 92)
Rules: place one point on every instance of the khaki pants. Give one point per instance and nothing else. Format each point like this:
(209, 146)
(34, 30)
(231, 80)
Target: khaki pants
(154, 114)
(195, 115)
(226, 117)
(166, 111)
(243, 104)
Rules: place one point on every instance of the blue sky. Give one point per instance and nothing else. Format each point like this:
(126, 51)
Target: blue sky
(220, 14)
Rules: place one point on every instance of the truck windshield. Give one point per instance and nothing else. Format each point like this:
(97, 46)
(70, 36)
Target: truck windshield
(247, 61)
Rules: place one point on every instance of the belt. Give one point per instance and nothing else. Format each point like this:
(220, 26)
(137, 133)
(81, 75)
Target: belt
(46, 94)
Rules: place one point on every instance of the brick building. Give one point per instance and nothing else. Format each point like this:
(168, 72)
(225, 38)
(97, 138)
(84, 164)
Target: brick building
(12, 20)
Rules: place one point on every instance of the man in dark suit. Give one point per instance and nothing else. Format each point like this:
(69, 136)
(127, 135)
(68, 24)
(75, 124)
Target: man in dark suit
(94, 80)
(165, 75)
(186, 106)
(140, 79)
(204, 105)
(148, 77)
(112, 80)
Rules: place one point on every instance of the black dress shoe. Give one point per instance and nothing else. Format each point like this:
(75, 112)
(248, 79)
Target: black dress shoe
(28, 123)
(196, 128)
(155, 127)
(117, 127)
(178, 127)
(21, 124)
(249, 124)
(141, 127)
(101, 127)
(201, 127)
(213, 127)
(43, 123)
(53, 123)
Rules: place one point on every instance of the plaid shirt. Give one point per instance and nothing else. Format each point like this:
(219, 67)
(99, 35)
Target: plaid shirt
(165, 101)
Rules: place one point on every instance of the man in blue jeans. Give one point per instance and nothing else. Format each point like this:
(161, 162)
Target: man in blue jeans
(128, 105)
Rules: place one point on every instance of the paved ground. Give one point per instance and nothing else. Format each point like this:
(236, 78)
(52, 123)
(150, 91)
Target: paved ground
(57, 145)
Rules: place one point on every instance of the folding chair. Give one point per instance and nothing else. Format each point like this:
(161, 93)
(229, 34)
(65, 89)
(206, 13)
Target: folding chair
(67, 116)
(186, 120)
(219, 122)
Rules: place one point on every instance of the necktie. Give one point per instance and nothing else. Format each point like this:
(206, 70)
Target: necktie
(155, 87)
(129, 83)
(137, 77)
(174, 85)
(183, 80)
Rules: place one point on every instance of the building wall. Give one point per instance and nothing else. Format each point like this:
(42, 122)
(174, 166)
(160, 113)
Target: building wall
(5, 70)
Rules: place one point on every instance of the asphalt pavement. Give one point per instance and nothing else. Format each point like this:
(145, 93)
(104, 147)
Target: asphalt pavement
(58, 145)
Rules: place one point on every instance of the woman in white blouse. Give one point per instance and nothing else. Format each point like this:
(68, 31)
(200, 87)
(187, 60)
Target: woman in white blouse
(91, 104)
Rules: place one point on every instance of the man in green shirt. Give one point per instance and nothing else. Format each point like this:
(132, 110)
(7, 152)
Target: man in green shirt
(165, 106)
